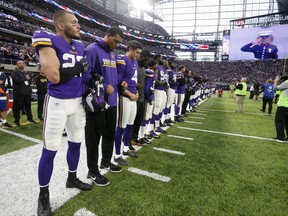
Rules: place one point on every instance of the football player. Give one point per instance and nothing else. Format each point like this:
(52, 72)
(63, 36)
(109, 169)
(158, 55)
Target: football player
(61, 59)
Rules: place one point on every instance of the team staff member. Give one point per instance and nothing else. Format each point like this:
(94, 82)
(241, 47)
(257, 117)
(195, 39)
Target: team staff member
(281, 116)
(41, 84)
(61, 59)
(127, 66)
(102, 60)
(21, 92)
(241, 89)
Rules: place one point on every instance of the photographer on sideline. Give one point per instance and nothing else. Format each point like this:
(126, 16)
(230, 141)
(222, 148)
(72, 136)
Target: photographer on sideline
(281, 117)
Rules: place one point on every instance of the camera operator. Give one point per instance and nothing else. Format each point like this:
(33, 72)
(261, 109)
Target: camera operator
(281, 117)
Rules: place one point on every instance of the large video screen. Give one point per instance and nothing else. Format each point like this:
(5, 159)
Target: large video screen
(257, 43)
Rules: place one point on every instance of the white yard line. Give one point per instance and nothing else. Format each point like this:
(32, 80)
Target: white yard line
(224, 133)
(202, 114)
(202, 111)
(19, 179)
(21, 136)
(193, 122)
(244, 112)
(195, 117)
(180, 137)
(84, 212)
(149, 174)
(169, 151)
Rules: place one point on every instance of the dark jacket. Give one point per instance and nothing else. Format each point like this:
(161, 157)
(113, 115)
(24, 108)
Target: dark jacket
(41, 84)
(21, 86)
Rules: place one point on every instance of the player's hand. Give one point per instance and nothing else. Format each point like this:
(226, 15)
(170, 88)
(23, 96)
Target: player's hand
(257, 40)
(27, 77)
(84, 64)
(277, 79)
(109, 90)
(134, 97)
(124, 85)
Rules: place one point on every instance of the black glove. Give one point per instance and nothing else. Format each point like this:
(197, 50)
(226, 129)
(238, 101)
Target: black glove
(150, 92)
(84, 64)
(166, 85)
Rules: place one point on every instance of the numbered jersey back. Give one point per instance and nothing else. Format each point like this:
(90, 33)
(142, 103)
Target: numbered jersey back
(68, 55)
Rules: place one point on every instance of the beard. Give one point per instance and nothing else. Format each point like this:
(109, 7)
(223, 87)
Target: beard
(71, 34)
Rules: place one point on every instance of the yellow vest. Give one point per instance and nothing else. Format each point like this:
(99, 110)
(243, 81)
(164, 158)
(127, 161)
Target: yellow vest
(283, 100)
(243, 91)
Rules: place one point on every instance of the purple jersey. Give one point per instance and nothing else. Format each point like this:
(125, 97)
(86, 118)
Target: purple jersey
(149, 85)
(162, 77)
(181, 83)
(127, 71)
(172, 78)
(68, 55)
(102, 61)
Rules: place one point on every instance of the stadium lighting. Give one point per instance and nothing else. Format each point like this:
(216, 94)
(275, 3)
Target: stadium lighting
(144, 5)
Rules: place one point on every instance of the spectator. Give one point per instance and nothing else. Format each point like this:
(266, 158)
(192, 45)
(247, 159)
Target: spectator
(268, 95)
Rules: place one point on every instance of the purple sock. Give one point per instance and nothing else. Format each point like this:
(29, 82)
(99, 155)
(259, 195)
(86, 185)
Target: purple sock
(144, 122)
(127, 135)
(177, 109)
(152, 121)
(45, 167)
(166, 110)
(118, 138)
(73, 155)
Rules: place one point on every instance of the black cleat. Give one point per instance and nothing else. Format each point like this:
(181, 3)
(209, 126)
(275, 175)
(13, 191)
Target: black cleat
(44, 208)
(76, 183)
(98, 179)
(112, 167)
(6, 124)
(121, 161)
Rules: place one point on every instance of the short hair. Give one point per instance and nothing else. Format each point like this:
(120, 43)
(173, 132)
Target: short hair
(114, 30)
(145, 53)
(152, 62)
(181, 67)
(134, 45)
(59, 15)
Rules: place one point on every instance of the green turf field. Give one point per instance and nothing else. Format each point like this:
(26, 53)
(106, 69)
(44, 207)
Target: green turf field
(220, 174)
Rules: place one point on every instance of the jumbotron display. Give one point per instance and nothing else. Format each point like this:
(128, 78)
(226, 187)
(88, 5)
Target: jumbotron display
(256, 43)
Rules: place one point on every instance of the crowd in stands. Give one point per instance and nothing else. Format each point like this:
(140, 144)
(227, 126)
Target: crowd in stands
(232, 71)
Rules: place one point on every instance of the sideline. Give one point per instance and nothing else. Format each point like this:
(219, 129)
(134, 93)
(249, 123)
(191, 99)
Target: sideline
(169, 151)
(193, 122)
(225, 133)
(21, 136)
(149, 174)
(180, 137)
(228, 111)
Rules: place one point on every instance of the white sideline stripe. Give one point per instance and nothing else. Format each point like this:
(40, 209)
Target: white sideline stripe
(202, 111)
(203, 114)
(21, 135)
(149, 174)
(20, 198)
(195, 117)
(192, 122)
(224, 133)
(228, 111)
(180, 137)
(84, 212)
(169, 151)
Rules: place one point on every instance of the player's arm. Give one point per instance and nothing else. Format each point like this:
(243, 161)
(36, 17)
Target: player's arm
(50, 64)
(54, 72)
